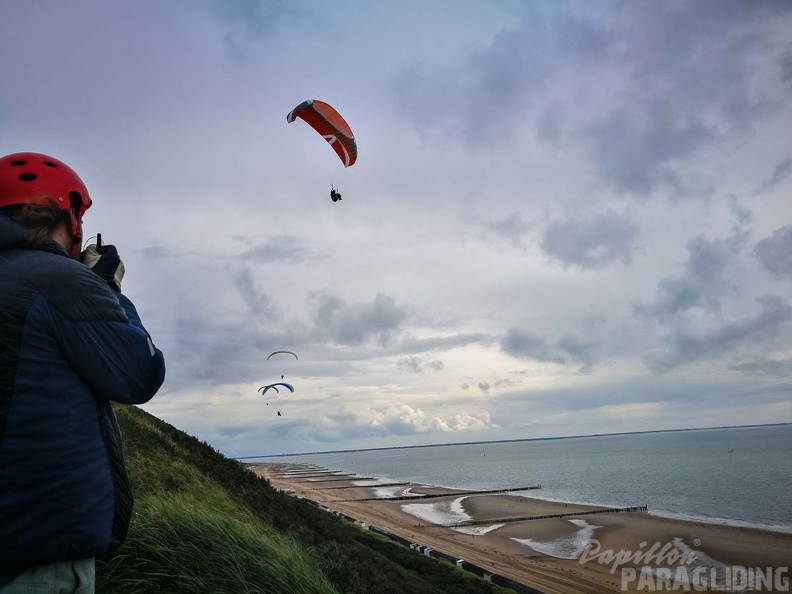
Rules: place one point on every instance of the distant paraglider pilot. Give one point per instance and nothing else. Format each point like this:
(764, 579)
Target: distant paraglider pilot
(335, 195)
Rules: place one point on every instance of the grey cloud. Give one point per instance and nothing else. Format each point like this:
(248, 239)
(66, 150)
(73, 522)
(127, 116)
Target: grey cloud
(237, 430)
(635, 148)
(157, 251)
(688, 70)
(703, 283)
(219, 353)
(743, 216)
(765, 366)
(504, 382)
(419, 364)
(232, 351)
(785, 66)
(280, 248)
(549, 124)
(685, 347)
(510, 229)
(501, 79)
(356, 324)
(258, 302)
(722, 393)
(567, 350)
(673, 295)
(525, 344)
(727, 34)
(591, 243)
(593, 322)
(412, 345)
(247, 21)
(287, 429)
(484, 386)
(413, 364)
(578, 350)
(707, 259)
(402, 346)
(775, 253)
(781, 171)
(700, 58)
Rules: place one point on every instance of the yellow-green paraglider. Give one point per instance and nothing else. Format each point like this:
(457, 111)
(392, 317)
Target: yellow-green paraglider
(282, 353)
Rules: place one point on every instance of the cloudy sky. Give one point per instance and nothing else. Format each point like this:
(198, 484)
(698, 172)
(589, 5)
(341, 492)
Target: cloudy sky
(565, 218)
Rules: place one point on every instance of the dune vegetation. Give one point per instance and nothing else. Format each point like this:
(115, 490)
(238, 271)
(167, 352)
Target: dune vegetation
(203, 523)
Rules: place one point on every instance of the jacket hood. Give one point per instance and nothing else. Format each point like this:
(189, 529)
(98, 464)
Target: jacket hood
(12, 236)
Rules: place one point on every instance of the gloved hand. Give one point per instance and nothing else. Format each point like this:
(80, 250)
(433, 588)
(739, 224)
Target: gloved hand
(107, 265)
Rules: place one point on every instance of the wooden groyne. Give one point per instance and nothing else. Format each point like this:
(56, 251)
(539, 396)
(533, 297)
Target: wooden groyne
(609, 510)
(310, 468)
(305, 471)
(360, 487)
(315, 475)
(486, 574)
(350, 478)
(435, 495)
(335, 476)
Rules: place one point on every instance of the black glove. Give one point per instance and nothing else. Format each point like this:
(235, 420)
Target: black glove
(107, 265)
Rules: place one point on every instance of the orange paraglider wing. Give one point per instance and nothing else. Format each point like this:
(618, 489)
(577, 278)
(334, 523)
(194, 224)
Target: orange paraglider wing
(323, 118)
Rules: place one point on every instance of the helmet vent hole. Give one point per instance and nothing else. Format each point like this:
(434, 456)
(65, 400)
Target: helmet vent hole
(50, 164)
(26, 177)
(18, 163)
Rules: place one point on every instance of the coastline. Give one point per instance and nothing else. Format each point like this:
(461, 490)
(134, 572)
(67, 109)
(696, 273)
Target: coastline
(547, 554)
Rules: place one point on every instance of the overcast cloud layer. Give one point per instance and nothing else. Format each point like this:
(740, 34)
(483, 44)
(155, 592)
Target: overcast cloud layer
(565, 218)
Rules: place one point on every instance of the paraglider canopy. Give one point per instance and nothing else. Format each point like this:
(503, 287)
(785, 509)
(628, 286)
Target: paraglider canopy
(283, 353)
(323, 118)
(272, 387)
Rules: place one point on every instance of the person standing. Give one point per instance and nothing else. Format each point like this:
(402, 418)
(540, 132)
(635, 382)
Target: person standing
(70, 344)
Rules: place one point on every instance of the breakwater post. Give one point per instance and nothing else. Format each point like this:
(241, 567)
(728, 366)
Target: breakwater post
(609, 510)
(351, 477)
(317, 475)
(451, 494)
(361, 487)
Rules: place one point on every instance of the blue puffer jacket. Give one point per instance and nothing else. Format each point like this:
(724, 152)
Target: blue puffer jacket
(68, 346)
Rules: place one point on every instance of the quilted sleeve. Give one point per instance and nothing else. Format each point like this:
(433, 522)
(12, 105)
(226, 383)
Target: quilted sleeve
(103, 339)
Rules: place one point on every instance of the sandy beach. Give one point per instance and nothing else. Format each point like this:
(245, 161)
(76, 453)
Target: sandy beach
(548, 554)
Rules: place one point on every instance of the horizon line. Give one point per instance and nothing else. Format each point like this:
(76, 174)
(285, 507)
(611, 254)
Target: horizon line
(439, 445)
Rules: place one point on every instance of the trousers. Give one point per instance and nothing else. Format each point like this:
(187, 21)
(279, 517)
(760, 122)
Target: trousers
(63, 577)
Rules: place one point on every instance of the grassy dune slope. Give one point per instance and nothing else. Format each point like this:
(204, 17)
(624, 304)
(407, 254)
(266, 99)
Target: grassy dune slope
(204, 524)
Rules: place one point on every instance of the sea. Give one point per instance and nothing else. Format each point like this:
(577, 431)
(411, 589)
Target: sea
(738, 476)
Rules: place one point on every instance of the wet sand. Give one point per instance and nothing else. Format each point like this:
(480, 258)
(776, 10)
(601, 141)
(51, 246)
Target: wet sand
(540, 565)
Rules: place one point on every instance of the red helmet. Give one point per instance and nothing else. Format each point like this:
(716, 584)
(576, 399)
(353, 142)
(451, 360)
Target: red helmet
(33, 177)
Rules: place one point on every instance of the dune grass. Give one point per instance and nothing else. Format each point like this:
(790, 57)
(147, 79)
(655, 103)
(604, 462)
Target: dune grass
(204, 524)
(188, 535)
(180, 544)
